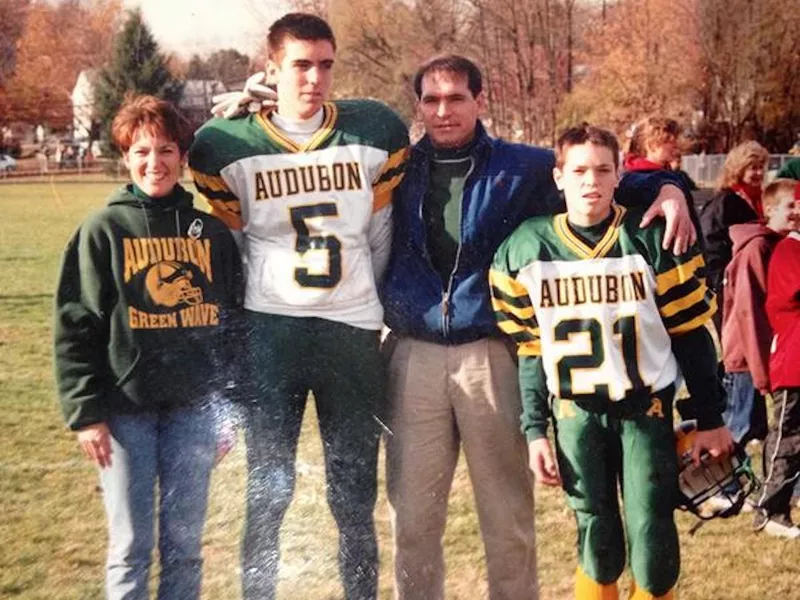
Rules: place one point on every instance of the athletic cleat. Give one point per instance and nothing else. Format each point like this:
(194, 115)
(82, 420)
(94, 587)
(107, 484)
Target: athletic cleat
(776, 526)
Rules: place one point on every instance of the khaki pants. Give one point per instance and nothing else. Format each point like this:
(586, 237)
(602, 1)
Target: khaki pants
(441, 398)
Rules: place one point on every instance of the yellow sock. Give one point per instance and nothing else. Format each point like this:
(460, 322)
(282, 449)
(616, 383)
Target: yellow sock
(587, 588)
(641, 594)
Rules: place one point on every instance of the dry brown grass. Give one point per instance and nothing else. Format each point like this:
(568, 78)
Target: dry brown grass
(52, 529)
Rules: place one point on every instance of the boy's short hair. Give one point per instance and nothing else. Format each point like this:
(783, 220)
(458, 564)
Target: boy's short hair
(585, 134)
(298, 26)
(650, 131)
(777, 191)
(157, 116)
(454, 64)
(738, 160)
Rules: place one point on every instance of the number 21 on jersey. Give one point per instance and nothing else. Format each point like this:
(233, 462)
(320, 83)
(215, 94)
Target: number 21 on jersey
(623, 337)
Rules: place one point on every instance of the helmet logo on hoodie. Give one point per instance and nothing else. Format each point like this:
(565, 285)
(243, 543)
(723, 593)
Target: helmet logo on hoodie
(195, 229)
(169, 283)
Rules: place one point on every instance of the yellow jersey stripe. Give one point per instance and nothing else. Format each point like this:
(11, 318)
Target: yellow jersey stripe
(331, 113)
(685, 302)
(507, 285)
(698, 321)
(512, 328)
(579, 247)
(229, 212)
(530, 349)
(522, 314)
(214, 183)
(678, 275)
(570, 241)
(611, 235)
(395, 160)
(382, 193)
(275, 134)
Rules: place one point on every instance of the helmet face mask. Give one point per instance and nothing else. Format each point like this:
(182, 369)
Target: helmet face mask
(729, 478)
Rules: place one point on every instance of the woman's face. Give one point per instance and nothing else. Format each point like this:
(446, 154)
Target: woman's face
(753, 174)
(154, 163)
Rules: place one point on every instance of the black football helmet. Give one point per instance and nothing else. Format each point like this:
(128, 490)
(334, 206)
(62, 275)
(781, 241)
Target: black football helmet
(717, 487)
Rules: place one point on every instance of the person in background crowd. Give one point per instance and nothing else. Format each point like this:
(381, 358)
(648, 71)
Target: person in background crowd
(738, 200)
(746, 333)
(790, 170)
(146, 307)
(654, 146)
(782, 446)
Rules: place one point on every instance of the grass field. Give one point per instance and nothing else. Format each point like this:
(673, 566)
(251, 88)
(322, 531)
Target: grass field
(52, 529)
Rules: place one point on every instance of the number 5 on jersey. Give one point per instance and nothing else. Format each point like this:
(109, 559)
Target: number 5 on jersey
(305, 242)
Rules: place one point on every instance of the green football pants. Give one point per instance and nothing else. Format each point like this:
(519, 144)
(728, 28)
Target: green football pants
(632, 443)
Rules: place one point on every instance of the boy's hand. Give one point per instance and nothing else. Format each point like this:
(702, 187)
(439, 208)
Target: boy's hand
(95, 441)
(671, 204)
(542, 462)
(717, 442)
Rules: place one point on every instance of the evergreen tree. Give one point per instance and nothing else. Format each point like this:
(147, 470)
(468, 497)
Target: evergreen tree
(137, 67)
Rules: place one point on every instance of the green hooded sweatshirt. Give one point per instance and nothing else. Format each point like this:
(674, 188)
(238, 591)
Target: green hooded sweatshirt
(146, 309)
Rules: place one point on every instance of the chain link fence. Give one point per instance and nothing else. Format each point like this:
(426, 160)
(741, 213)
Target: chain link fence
(705, 169)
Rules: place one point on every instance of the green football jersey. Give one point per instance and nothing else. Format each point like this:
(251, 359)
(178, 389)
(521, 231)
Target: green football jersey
(600, 317)
(305, 210)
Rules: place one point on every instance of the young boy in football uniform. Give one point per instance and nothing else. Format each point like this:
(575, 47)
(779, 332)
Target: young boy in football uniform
(603, 319)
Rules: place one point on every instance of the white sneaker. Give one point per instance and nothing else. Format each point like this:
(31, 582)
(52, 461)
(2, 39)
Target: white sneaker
(715, 505)
(779, 527)
(748, 506)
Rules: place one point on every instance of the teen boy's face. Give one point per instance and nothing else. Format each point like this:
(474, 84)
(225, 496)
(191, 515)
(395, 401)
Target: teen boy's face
(154, 163)
(588, 180)
(304, 75)
(785, 217)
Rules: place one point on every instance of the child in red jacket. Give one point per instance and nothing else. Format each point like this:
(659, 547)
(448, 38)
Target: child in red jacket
(782, 447)
(746, 332)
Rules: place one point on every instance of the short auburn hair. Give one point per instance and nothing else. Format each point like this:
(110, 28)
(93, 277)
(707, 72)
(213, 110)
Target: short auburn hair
(777, 191)
(652, 131)
(455, 64)
(156, 116)
(585, 134)
(298, 26)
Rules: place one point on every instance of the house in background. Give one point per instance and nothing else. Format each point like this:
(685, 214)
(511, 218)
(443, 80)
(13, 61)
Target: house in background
(83, 105)
(195, 103)
(196, 100)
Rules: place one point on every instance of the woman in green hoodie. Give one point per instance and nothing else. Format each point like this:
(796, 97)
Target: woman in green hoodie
(146, 306)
